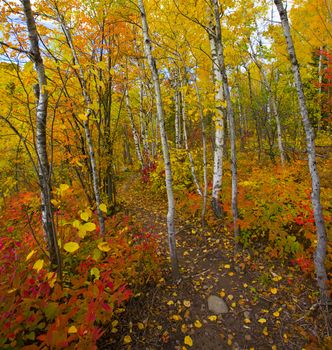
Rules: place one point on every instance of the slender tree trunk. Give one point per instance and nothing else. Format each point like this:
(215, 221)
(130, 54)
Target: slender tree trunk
(230, 115)
(219, 133)
(205, 189)
(89, 111)
(41, 142)
(177, 101)
(143, 123)
(163, 136)
(320, 253)
(134, 131)
(185, 139)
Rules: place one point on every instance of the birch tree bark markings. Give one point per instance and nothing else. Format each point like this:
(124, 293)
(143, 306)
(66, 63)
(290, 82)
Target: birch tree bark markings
(163, 136)
(320, 252)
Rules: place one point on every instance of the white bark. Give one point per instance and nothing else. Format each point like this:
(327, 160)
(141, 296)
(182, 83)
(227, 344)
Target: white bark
(219, 133)
(230, 114)
(163, 136)
(143, 123)
(134, 130)
(320, 252)
(41, 141)
(88, 102)
(185, 139)
(205, 189)
(177, 118)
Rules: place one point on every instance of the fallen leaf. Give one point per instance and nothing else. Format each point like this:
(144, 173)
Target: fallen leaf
(262, 320)
(186, 303)
(188, 341)
(198, 324)
(212, 318)
(127, 339)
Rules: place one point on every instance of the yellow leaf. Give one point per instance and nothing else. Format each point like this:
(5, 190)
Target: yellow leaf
(188, 341)
(127, 339)
(38, 265)
(265, 331)
(55, 202)
(83, 117)
(81, 232)
(170, 302)
(247, 320)
(230, 297)
(85, 216)
(51, 279)
(72, 330)
(227, 266)
(198, 324)
(186, 303)
(71, 247)
(184, 328)
(104, 246)
(140, 325)
(30, 255)
(114, 330)
(12, 290)
(274, 290)
(212, 318)
(222, 293)
(103, 208)
(276, 278)
(76, 224)
(176, 317)
(262, 320)
(276, 314)
(89, 226)
(274, 347)
(115, 323)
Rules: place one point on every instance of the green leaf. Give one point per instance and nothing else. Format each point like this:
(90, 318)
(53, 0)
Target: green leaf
(95, 272)
(51, 310)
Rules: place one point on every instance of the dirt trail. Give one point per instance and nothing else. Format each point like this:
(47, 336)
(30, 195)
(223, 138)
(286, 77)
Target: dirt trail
(268, 305)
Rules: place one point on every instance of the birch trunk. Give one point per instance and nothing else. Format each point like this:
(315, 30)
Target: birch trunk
(219, 134)
(185, 139)
(163, 136)
(177, 117)
(41, 142)
(205, 189)
(143, 123)
(134, 131)
(230, 114)
(320, 252)
(95, 178)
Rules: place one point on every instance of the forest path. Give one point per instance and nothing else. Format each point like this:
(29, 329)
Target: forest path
(268, 306)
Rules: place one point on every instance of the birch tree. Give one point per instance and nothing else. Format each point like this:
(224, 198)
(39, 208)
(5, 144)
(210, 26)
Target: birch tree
(320, 252)
(88, 113)
(164, 144)
(217, 36)
(41, 140)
